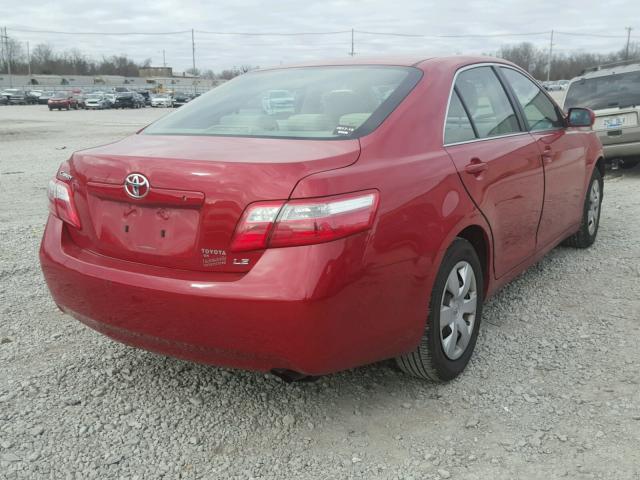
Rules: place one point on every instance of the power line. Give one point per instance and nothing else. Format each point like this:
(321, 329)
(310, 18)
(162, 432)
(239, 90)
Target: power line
(274, 34)
(598, 35)
(470, 35)
(323, 33)
(57, 32)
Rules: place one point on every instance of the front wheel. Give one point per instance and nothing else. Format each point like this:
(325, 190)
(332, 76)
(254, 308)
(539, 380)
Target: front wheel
(453, 320)
(588, 231)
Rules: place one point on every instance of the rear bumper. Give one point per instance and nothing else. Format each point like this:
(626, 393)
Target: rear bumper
(311, 309)
(623, 150)
(619, 150)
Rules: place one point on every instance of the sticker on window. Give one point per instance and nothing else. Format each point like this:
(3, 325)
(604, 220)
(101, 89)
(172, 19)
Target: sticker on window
(344, 130)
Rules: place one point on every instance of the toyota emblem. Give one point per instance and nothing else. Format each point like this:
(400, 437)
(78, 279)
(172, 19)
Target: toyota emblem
(136, 185)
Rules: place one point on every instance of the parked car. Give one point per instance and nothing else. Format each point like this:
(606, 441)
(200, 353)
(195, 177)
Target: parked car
(278, 101)
(124, 100)
(63, 100)
(14, 96)
(44, 97)
(32, 97)
(80, 99)
(180, 99)
(138, 100)
(553, 87)
(96, 101)
(147, 97)
(162, 100)
(613, 93)
(111, 98)
(349, 232)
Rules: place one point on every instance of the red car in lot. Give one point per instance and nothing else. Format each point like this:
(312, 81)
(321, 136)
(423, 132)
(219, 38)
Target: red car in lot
(63, 100)
(368, 220)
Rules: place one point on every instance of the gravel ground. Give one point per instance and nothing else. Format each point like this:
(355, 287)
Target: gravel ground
(553, 390)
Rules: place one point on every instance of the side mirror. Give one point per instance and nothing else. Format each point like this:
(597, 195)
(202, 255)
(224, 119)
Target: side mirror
(581, 117)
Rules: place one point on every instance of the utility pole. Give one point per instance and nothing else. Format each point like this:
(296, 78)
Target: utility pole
(164, 60)
(2, 43)
(7, 51)
(193, 50)
(28, 61)
(550, 57)
(352, 52)
(626, 50)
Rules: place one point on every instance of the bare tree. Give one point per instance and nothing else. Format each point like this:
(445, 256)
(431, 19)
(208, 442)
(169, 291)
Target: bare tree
(563, 66)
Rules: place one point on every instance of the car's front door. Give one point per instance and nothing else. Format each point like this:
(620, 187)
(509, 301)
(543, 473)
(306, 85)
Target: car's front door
(563, 153)
(498, 162)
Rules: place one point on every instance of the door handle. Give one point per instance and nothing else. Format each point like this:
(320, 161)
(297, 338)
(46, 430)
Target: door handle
(547, 154)
(476, 167)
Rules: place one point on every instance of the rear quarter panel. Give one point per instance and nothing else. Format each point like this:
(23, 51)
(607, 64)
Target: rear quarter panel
(423, 206)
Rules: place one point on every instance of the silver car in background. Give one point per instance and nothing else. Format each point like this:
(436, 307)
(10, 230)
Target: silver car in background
(613, 93)
(96, 101)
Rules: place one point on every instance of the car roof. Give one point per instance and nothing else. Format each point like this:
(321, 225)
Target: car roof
(605, 71)
(421, 61)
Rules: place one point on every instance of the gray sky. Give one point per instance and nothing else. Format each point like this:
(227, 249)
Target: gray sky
(441, 17)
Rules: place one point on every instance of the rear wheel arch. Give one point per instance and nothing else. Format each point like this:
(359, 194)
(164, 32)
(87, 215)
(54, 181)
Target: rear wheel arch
(479, 239)
(600, 166)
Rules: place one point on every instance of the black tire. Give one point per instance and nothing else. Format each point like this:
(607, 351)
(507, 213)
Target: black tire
(429, 361)
(586, 235)
(627, 164)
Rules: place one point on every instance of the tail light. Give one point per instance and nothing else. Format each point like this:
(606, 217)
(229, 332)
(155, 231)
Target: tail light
(61, 202)
(304, 222)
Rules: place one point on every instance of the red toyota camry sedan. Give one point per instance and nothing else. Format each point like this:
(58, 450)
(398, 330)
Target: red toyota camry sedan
(310, 219)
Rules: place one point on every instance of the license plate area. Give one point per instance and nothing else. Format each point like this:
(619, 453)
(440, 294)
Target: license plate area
(155, 230)
(616, 122)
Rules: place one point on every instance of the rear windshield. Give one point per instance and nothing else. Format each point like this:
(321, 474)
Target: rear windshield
(307, 102)
(617, 90)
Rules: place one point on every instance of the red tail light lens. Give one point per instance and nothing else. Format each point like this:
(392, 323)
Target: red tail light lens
(61, 202)
(304, 222)
(255, 226)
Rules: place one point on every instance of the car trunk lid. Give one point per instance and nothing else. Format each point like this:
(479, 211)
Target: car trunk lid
(198, 188)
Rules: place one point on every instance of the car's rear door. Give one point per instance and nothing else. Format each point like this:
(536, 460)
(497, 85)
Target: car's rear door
(498, 162)
(563, 153)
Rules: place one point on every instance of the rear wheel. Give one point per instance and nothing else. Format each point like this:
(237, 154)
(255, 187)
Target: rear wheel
(453, 321)
(588, 231)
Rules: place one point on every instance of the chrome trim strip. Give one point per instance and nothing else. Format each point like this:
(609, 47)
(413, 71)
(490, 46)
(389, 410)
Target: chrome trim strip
(485, 139)
(490, 64)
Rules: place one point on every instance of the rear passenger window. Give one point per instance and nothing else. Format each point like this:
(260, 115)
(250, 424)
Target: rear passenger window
(538, 109)
(458, 127)
(487, 103)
